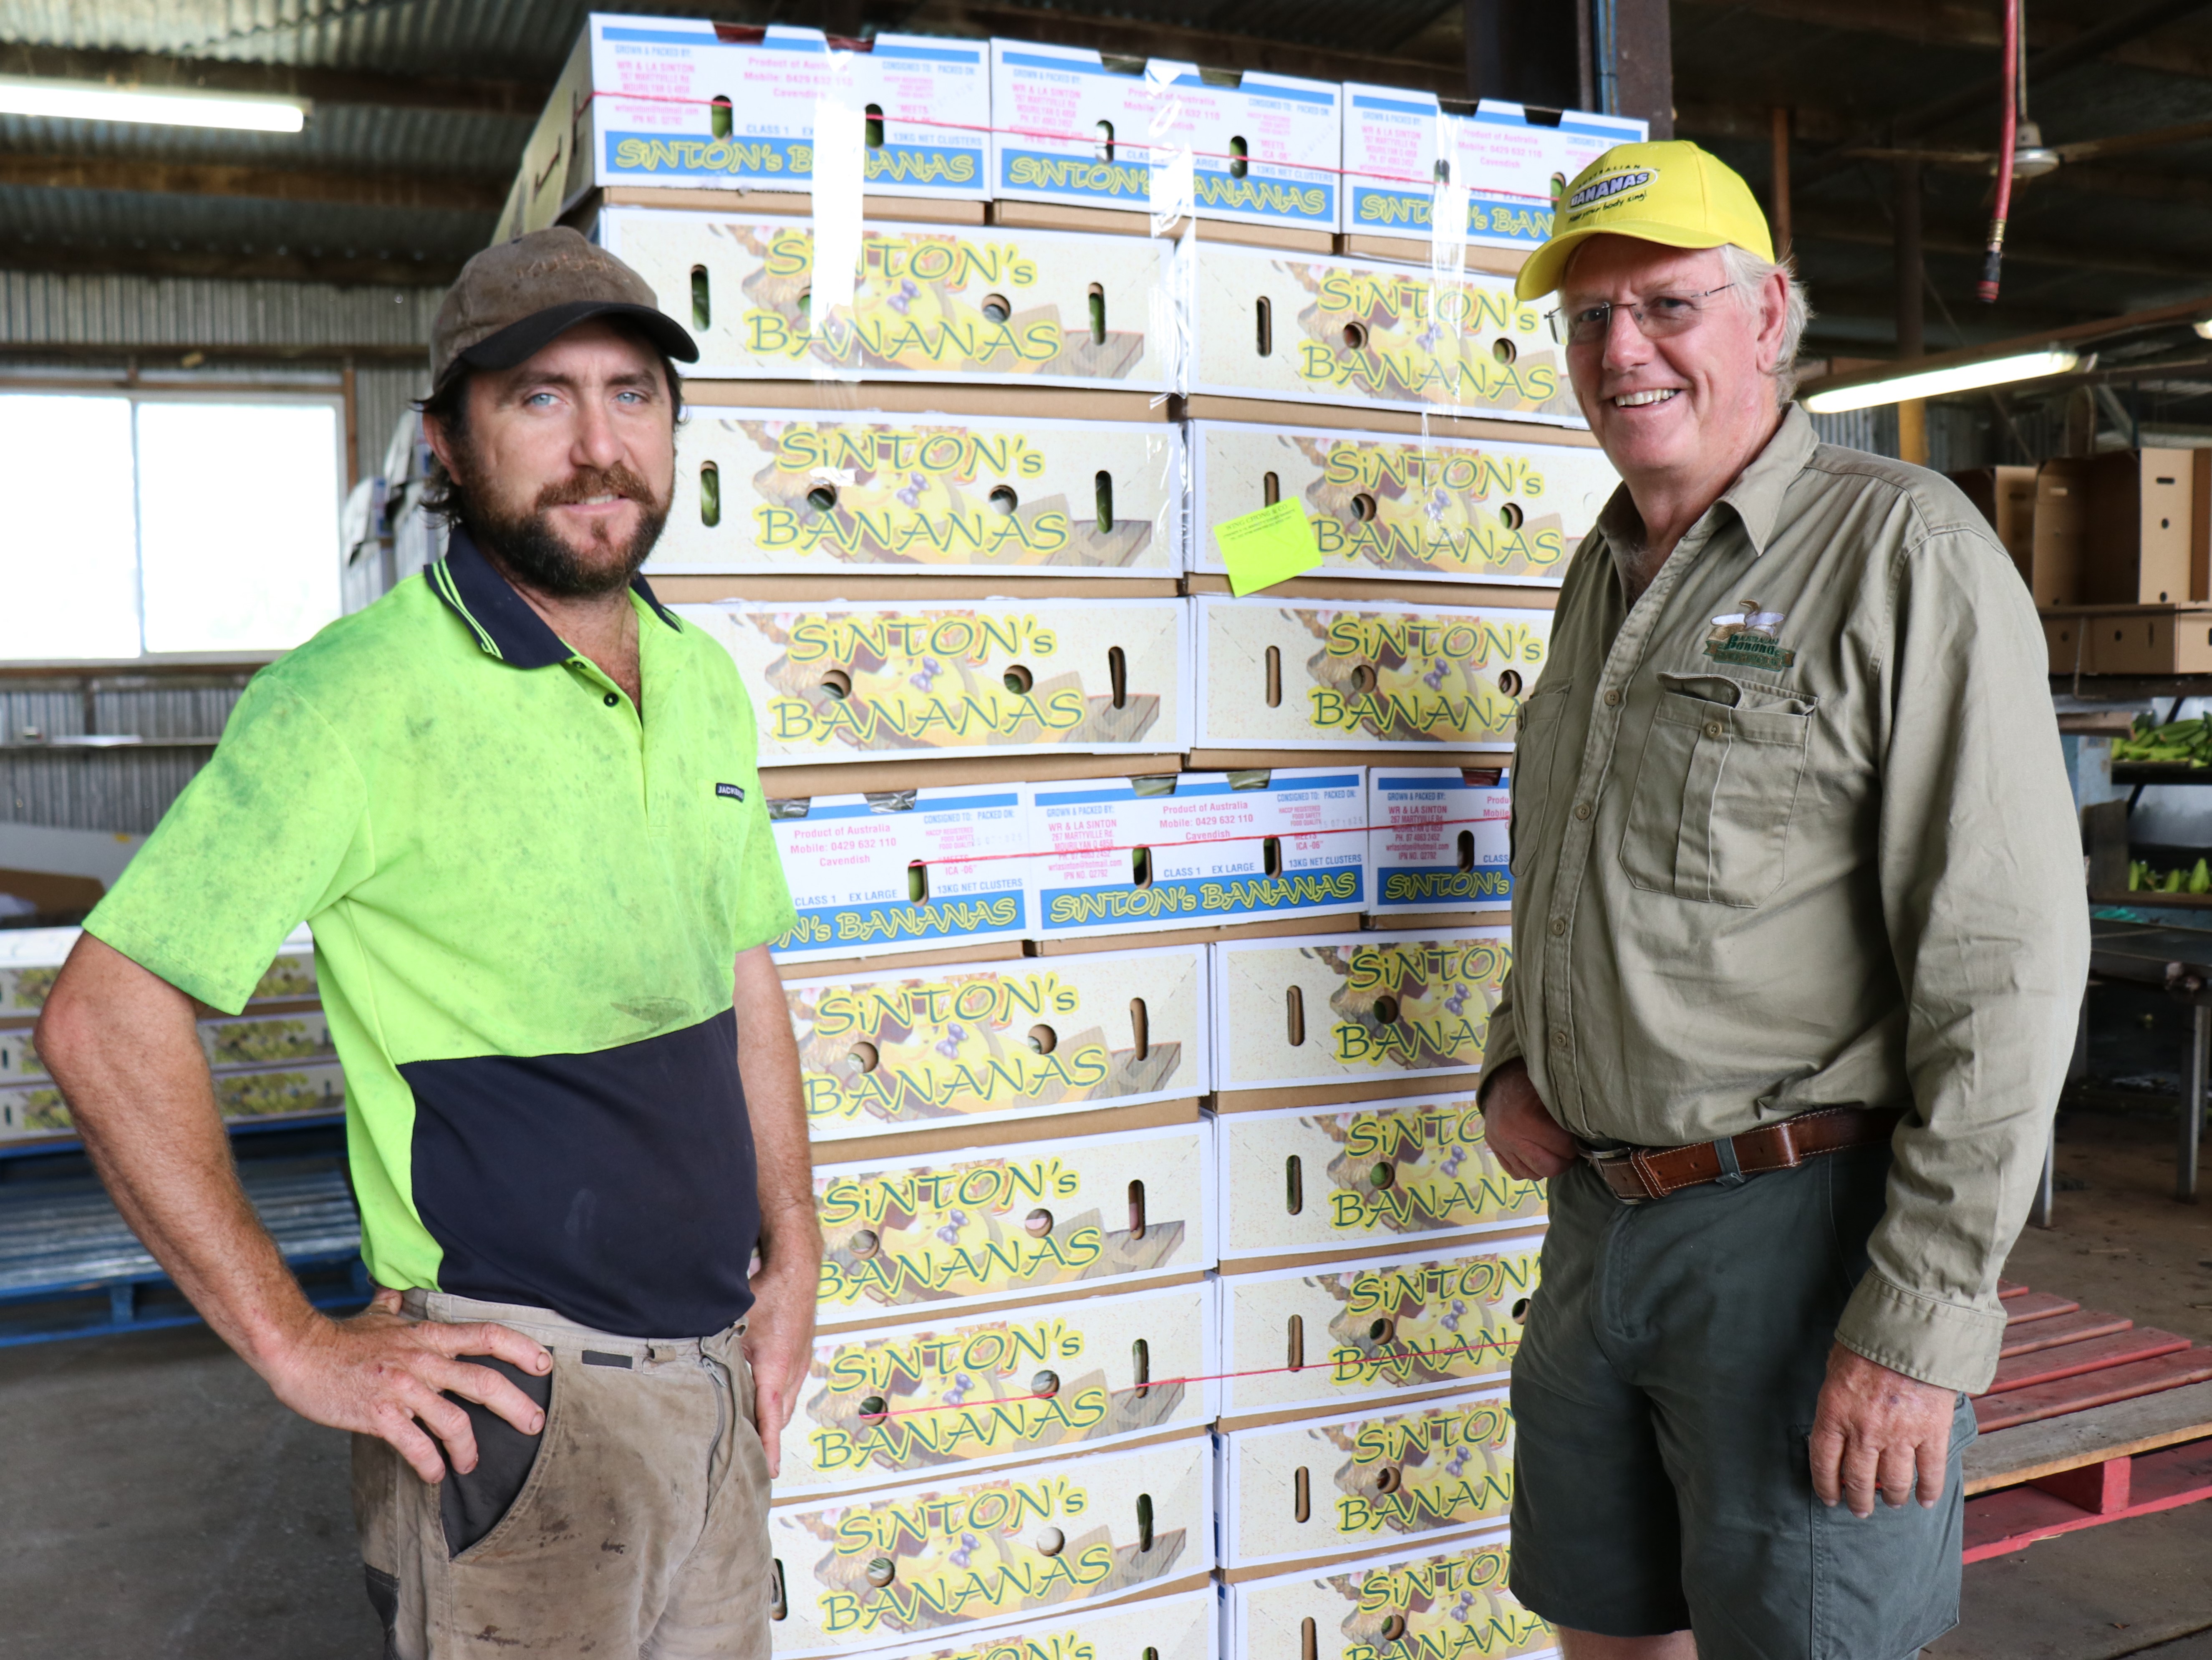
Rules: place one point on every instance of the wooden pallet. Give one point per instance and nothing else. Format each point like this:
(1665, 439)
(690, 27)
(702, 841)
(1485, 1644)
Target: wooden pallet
(2090, 1419)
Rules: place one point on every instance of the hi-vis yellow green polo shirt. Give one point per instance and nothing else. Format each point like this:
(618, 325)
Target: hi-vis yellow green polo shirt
(526, 903)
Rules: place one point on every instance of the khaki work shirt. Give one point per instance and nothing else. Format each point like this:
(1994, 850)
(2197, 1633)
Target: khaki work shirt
(1795, 831)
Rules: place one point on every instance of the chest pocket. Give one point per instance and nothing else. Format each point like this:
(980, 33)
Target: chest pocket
(1710, 817)
(1535, 741)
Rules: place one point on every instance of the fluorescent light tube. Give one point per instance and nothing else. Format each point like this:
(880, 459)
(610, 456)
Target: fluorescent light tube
(83, 100)
(1933, 383)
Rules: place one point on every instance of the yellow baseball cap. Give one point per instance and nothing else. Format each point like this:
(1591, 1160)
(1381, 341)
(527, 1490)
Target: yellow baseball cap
(1671, 192)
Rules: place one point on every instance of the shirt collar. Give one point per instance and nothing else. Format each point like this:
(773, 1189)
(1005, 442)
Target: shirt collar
(1756, 497)
(502, 621)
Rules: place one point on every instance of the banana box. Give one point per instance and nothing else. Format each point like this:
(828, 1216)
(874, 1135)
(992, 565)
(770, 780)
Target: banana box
(903, 870)
(1124, 855)
(989, 1549)
(1363, 1482)
(1404, 151)
(246, 1042)
(1395, 1173)
(977, 305)
(1332, 1335)
(679, 103)
(907, 679)
(1184, 1627)
(773, 492)
(1330, 674)
(30, 961)
(1432, 509)
(1439, 838)
(895, 1403)
(37, 1108)
(1445, 1601)
(1073, 127)
(993, 1042)
(1354, 1008)
(1367, 334)
(1094, 1212)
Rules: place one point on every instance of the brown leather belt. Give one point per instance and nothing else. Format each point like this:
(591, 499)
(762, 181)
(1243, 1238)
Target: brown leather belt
(1639, 1175)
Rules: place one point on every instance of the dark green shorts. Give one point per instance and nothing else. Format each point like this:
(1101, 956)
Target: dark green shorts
(1662, 1395)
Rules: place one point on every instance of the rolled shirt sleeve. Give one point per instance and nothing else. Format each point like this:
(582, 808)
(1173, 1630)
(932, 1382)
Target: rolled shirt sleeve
(1980, 870)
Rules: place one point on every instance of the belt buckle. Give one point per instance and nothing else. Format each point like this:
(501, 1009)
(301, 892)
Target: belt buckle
(1599, 1157)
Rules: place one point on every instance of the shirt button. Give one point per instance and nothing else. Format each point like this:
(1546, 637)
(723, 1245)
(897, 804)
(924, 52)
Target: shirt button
(1558, 926)
(611, 699)
(1713, 729)
(1612, 697)
(1558, 1040)
(1582, 809)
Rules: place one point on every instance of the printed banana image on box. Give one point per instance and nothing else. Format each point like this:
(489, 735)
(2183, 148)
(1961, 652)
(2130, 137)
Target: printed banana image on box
(1120, 856)
(1448, 1602)
(1325, 674)
(1184, 1627)
(892, 1403)
(960, 1229)
(1354, 1007)
(881, 681)
(1338, 1334)
(240, 1043)
(925, 302)
(868, 1572)
(1435, 509)
(903, 870)
(1364, 1481)
(37, 1108)
(1439, 839)
(1370, 335)
(1395, 1173)
(991, 1043)
(30, 961)
(777, 493)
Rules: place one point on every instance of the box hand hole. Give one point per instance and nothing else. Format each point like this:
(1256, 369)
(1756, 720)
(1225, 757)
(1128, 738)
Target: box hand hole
(1393, 1628)
(703, 299)
(1143, 1522)
(837, 683)
(1504, 349)
(1044, 1039)
(1103, 150)
(917, 883)
(1264, 315)
(1296, 1359)
(1140, 867)
(862, 1058)
(1294, 1011)
(1239, 164)
(1467, 850)
(1510, 516)
(1362, 679)
(1385, 1010)
(1140, 1029)
(1097, 306)
(1521, 1308)
(1136, 1210)
(778, 1608)
(1382, 1330)
(1301, 1495)
(875, 128)
(1271, 855)
(1045, 1384)
(1382, 1175)
(881, 1571)
(1004, 501)
(1038, 1223)
(1117, 675)
(1271, 489)
(1017, 679)
(995, 308)
(718, 116)
(1508, 682)
(1308, 1639)
(806, 311)
(862, 1241)
(1389, 1479)
(1141, 1364)
(710, 495)
(822, 498)
(1275, 673)
(1050, 1542)
(1294, 1184)
(1362, 508)
(1355, 337)
(875, 1406)
(1102, 489)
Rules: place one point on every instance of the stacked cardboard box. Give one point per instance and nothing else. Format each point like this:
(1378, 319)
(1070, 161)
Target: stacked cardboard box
(1147, 933)
(275, 1060)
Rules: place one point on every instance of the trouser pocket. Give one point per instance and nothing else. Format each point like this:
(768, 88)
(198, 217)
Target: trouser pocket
(471, 1505)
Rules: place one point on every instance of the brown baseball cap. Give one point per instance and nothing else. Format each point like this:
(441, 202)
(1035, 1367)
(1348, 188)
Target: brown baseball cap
(513, 298)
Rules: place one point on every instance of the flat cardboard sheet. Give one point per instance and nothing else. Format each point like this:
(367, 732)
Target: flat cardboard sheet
(930, 302)
(999, 1043)
(893, 1403)
(903, 870)
(1346, 1007)
(1317, 674)
(1390, 1172)
(1364, 1480)
(838, 682)
(1126, 856)
(1310, 328)
(770, 491)
(991, 1550)
(1374, 1329)
(1443, 1599)
(1438, 840)
(1387, 507)
(909, 1239)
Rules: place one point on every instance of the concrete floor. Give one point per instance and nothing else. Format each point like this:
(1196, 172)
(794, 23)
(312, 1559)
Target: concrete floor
(158, 1505)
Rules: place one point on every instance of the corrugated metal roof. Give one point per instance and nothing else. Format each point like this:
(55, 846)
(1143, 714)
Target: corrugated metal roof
(160, 311)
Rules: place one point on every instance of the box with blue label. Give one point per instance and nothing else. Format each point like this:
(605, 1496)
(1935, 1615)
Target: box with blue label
(908, 303)
(1414, 508)
(947, 1046)
(1075, 129)
(1439, 839)
(1405, 151)
(903, 870)
(683, 103)
(1439, 1600)
(1193, 849)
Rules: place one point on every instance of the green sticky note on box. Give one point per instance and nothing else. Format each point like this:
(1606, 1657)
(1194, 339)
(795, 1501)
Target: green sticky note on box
(1270, 546)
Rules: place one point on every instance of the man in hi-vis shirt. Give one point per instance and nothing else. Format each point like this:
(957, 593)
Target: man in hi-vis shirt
(1798, 941)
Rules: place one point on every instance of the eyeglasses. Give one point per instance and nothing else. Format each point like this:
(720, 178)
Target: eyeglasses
(1656, 316)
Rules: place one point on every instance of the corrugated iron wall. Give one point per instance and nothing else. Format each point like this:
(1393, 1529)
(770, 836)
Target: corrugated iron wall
(148, 311)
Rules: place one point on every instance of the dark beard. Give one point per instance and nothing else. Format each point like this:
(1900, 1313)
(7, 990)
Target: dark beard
(532, 552)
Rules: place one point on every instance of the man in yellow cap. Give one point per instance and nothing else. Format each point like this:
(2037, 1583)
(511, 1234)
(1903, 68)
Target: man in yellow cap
(1798, 941)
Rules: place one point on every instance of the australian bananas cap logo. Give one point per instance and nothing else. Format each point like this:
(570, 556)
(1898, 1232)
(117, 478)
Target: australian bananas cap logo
(1749, 638)
(1609, 189)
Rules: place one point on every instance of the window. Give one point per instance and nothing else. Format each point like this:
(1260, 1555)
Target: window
(161, 524)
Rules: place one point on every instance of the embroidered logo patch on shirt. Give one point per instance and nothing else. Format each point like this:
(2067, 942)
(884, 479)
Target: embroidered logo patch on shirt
(735, 792)
(1747, 638)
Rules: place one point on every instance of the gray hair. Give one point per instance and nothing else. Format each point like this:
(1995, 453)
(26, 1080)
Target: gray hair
(1748, 274)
